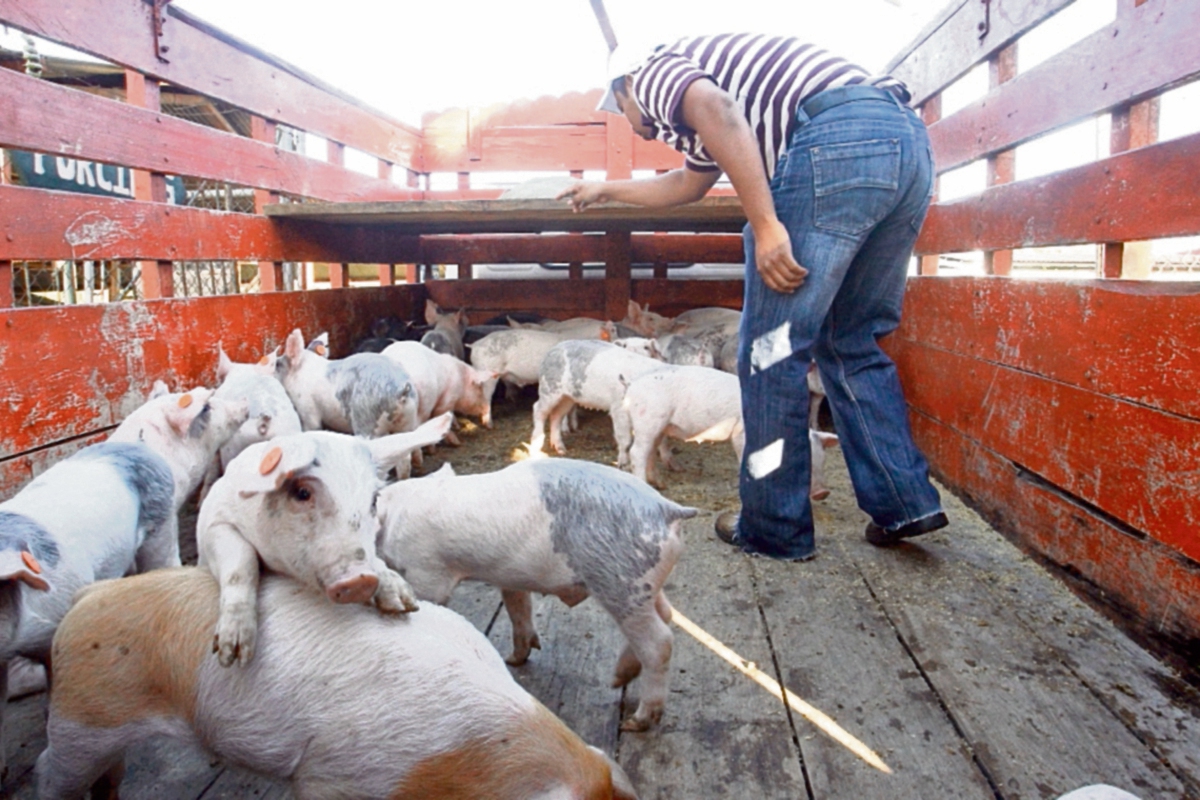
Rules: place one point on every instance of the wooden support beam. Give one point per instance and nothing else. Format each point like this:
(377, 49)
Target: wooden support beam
(270, 273)
(1001, 167)
(931, 112)
(158, 277)
(617, 274)
(335, 153)
(410, 273)
(339, 275)
(270, 276)
(6, 285)
(1133, 125)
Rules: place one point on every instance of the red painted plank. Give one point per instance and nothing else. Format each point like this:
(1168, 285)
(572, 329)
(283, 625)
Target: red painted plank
(216, 65)
(674, 297)
(93, 364)
(42, 116)
(523, 248)
(1138, 464)
(1147, 193)
(951, 45)
(39, 224)
(484, 299)
(6, 284)
(1134, 341)
(1141, 579)
(1154, 47)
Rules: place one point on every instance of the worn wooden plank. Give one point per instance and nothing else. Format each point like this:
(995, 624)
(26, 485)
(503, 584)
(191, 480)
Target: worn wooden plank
(837, 650)
(1144, 194)
(952, 44)
(522, 248)
(1146, 584)
(1151, 49)
(219, 66)
(44, 117)
(673, 297)
(485, 299)
(528, 147)
(712, 214)
(1108, 337)
(1035, 727)
(1138, 464)
(39, 224)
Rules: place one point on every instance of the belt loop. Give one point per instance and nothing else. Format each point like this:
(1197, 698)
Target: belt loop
(802, 118)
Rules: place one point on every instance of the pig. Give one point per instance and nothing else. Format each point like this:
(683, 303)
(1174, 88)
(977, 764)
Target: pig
(698, 405)
(727, 320)
(385, 331)
(341, 702)
(562, 527)
(693, 403)
(727, 360)
(187, 430)
(303, 506)
(271, 411)
(515, 356)
(816, 393)
(447, 334)
(105, 511)
(443, 383)
(682, 350)
(645, 321)
(594, 375)
(365, 394)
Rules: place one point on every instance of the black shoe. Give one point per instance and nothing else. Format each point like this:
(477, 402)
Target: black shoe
(726, 527)
(881, 537)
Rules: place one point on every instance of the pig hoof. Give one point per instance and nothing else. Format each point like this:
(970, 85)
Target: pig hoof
(234, 642)
(820, 494)
(635, 725)
(516, 660)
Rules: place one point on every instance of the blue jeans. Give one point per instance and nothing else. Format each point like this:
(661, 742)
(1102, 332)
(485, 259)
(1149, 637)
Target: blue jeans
(852, 189)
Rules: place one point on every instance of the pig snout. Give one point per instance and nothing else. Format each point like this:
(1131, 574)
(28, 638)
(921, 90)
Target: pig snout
(358, 588)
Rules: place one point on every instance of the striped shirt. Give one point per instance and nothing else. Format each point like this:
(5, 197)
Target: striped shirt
(768, 76)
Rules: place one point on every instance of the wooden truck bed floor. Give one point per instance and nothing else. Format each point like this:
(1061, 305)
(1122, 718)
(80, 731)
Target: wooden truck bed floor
(962, 665)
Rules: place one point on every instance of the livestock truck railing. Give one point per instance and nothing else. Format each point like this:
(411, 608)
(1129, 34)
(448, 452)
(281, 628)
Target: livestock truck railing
(1066, 411)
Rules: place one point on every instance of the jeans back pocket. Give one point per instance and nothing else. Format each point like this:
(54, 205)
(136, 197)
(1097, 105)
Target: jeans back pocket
(855, 184)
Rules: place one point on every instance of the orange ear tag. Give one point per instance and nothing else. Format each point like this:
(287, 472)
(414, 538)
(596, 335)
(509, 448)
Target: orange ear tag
(605, 336)
(31, 562)
(320, 349)
(185, 401)
(270, 461)
(262, 362)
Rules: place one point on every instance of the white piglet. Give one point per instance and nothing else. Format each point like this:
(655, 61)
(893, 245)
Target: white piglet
(555, 526)
(103, 512)
(341, 702)
(271, 411)
(443, 382)
(696, 404)
(515, 356)
(303, 505)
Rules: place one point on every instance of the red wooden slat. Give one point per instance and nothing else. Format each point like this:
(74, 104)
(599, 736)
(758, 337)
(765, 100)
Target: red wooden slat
(217, 66)
(1155, 47)
(1140, 578)
(1140, 465)
(952, 45)
(39, 224)
(516, 249)
(674, 297)
(618, 162)
(1143, 194)
(6, 284)
(1100, 336)
(60, 389)
(484, 299)
(45, 117)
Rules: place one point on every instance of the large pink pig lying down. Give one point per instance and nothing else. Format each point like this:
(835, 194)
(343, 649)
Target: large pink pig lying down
(340, 700)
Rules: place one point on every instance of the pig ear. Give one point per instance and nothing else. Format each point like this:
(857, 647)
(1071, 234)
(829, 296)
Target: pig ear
(608, 331)
(431, 312)
(182, 409)
(622, 786)
(634, 311)
(387, 451)
(223, 362)
(159, 389)
(320, 344)
(266, 364)
(20, 565)
(294, 345)
(460, 318)
(265, 466)
(482, 376)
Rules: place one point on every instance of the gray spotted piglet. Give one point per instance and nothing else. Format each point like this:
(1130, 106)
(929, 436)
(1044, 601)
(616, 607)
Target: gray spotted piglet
(562, 527)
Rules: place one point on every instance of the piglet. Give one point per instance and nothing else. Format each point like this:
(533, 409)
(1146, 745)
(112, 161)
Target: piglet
(514, 355)
(303, 506)
(592, 374)
(101, 513)
(447, 334)
(443, 382)
(692, 403)
(271, 411)
(187, 430)
(562, 527)
(341, 702)
(366, 394)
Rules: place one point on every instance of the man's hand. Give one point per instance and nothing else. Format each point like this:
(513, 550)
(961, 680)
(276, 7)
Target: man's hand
(775, 263)
(583, 194)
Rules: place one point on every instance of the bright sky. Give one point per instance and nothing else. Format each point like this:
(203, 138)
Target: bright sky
(408, 58)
